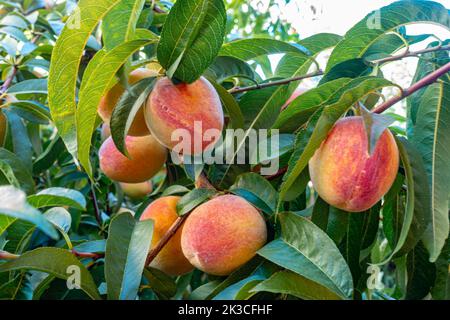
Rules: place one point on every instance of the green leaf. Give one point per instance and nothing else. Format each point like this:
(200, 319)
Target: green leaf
(126, 109)
(57, 262)
(353, 68)
(92, 92)
(31, 110)
(357, 89)
(375, 124)
(297, 251)
(320, 213)
(191, 38)
(14, 205)
(249, 49)
(417, 185)
(230, 105)
(160, 282)
(29, 86)
(366, 32)
(319, 42)
(56, 196)
(96, 246)
(236, 290)
(441, 287)
(127, 247)
(49, 156)
(66, 57)
(287, 282)
(192, 199)
(421, 274)
(119, 25)
(256, 190)
(432, 139)
(224, 68)
(430, 62)
(303, 107)
(21, 173)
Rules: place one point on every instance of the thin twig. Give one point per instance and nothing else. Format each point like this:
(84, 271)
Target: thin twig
(410, 54)
(165, 239)
(95, 203)
(5, 255)
(201, 182)
(92, 255)
(275, 83)
(427, 80)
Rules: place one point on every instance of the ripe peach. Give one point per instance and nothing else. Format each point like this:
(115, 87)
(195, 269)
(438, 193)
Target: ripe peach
(222, 234)
(345, 175)
(110, 99)
(3, 127)
(170, 259)
(146, 158)
(137, 190)
(181, 106)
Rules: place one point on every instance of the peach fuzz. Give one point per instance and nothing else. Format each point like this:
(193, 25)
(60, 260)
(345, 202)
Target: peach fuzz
(146, 158)
(170, 259)
(345, 175)
(222, 234)
(110, 99)
(137, 190)
(177, 106)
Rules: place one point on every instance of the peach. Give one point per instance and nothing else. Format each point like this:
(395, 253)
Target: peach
(170, 259)
(3, 128)
(146, 158)
(345, 175)
(194, 108)
(222, 234)
(110, 99)
(137, 190)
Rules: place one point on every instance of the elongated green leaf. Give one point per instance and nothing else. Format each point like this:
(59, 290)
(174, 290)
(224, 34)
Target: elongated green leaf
(357, 89)
(160, 282)
(91, 93)
(119, 24)
(126, 109)
(14, 205)
(191, 38)
(192, 199)
(419, 190)
(432, 139)
(29, 86)
(421, 274)
(20, 171)
(91, 246)
(301, 109)
(297, 251)
(230, 105)
(20, 139)
(256, 190)
(127, 247)
(366, 32)
(249, 49)
(234, 292)
(57, 262)
(319, 42)
(288, 282)
(224, 68)
(57, 196)
(64, 65)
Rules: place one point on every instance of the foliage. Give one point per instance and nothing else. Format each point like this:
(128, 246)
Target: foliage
(58, 210)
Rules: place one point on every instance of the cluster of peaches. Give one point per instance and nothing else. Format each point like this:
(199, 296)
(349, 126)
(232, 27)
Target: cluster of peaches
(220, 235)
(224, 233)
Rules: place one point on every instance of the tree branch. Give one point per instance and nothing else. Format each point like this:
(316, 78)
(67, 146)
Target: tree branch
(320, 72)
(201, 182)
(275, 83)
(427, 80)
(410, 54)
